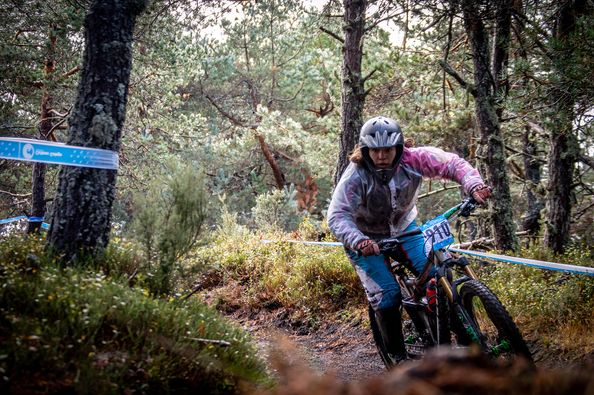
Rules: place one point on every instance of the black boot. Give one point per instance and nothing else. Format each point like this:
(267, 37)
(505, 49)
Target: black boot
(390, 326)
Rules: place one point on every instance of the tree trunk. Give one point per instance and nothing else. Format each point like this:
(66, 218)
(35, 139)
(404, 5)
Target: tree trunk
(531, 223)
(486, 110)
(499, 62)
(82, 210)
(563, 142)
(353, 91)
(45, 127)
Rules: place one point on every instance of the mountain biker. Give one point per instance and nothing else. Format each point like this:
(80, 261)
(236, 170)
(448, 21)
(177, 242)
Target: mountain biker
(375, 199)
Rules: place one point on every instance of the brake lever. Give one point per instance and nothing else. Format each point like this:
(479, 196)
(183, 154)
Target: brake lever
(388, 246)
(468, 207)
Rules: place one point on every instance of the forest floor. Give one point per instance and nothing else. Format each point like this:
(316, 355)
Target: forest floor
(345, 348)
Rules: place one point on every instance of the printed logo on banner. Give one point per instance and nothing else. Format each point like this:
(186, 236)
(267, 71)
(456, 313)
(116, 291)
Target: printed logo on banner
(57, 153)
(28, 151)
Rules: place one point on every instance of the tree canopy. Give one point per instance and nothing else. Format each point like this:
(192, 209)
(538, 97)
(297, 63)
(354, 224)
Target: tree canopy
(255, 95)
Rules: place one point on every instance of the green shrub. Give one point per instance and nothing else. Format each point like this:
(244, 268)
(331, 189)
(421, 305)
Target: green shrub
(121, 258)
(168, 221)
(277, 209)
(312, 279)
(83, 332)
(21, 253)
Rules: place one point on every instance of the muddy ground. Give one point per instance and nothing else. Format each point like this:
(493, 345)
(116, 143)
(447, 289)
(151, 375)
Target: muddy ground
(346, 350)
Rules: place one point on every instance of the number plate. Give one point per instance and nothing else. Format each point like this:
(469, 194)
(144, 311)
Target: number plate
(438, 234)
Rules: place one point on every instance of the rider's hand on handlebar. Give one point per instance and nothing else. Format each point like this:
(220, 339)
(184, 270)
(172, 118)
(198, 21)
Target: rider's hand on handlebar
(481, 193)
(368, 247)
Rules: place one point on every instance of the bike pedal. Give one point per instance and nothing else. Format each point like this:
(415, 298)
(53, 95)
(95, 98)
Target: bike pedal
(415, 350)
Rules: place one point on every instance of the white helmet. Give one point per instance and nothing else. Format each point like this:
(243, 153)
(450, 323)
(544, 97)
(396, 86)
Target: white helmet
(381, 132)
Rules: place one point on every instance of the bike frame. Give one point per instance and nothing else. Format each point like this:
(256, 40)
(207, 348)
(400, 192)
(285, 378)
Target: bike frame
(443, 262)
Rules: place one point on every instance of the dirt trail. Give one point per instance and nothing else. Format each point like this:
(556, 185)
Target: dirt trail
(345, 350)
(348, 351)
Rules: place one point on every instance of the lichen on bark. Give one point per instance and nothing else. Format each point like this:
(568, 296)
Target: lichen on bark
(81, 218)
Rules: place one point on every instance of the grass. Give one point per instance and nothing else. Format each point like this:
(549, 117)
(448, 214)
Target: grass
(307, 280)
(84, 332)
(544, 297)
(550, 307)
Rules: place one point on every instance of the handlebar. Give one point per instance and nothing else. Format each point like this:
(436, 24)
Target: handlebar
(468, 207)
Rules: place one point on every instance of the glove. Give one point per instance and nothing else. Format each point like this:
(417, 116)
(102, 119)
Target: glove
(481, 193)
(368, 247)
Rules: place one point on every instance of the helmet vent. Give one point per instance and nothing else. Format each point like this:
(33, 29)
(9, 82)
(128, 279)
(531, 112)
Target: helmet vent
(380, 132)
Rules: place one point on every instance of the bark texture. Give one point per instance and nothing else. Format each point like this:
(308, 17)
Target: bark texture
(82, 211)
(564, 145)
(353, 90)
(531, 222)
(500, 60)
(487, 90)
(532, 164)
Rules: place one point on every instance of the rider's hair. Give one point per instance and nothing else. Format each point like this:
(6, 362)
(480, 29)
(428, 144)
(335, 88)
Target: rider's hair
(357, 155)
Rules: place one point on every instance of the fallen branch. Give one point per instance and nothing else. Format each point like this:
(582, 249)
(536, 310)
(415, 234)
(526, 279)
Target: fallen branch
(18, 195)
(445, 188)
(484, 242)
(196, 289)
(222, 343)
(132, 277)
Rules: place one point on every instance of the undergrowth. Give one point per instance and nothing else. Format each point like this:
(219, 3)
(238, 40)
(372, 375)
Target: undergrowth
(318, 280)
(99, 330)
(78, 330)
(306, 279)
(554, 306)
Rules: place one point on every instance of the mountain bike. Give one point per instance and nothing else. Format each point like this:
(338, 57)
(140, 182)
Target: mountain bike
(446, 302)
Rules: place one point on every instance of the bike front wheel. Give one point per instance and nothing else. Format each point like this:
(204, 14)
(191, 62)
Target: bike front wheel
(499, 334)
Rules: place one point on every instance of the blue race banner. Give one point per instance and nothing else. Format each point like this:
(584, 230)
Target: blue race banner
(57, 153)
(44, 225)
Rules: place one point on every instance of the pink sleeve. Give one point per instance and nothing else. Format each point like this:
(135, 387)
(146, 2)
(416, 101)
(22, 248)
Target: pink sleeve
(433, 162)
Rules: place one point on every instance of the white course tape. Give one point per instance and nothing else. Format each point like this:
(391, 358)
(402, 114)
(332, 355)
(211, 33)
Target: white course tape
(562, 267)
(588, 271)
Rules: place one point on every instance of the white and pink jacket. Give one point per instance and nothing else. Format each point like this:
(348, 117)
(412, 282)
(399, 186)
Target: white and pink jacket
(363, 208)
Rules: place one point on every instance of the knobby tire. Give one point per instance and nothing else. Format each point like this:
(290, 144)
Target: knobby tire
(496, 313)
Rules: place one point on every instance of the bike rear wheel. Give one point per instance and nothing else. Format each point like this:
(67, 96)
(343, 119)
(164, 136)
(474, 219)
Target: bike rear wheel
(499, 334)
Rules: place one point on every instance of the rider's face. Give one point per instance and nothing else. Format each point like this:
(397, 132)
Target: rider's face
(382, 157)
